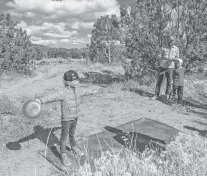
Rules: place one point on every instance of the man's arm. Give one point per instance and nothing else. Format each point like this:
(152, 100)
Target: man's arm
(51, 98)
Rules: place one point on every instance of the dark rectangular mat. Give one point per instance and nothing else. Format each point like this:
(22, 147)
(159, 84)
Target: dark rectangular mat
(135, 135)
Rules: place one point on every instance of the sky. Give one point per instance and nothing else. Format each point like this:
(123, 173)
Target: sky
(60, 23)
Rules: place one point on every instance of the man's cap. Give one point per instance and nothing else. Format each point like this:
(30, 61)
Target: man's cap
(70, 76)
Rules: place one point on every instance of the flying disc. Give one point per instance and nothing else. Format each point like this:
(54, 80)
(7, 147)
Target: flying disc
(13, 146)
(31, 109)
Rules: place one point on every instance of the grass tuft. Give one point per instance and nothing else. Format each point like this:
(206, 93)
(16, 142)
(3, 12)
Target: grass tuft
(185, 156)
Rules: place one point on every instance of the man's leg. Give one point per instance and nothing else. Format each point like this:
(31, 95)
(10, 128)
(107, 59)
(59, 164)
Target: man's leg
(72, 137)
(180, 94)
(169, 75)
(63, 140)
(159, 83)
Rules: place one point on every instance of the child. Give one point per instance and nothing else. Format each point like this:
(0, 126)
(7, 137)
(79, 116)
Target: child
(69, 98)
(178, 80)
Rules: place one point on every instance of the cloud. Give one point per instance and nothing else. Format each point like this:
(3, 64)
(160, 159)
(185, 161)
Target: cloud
(62, 23)
(79, 25)
(89, 35)
(15, 13)
(22, 24)
(30, 14)
(65, 34)
(48, 30)
(65, 40)
(33, 38)
(53, 34)
(59, 42)
(45, 42)
(81, 9)
(41, 41)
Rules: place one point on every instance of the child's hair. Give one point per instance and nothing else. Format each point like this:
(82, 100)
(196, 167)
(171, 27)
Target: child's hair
(181, 61)
(70, 75)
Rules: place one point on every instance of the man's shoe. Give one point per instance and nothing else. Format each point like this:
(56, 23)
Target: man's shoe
(77, 151)
(154, 98)
(65, 160)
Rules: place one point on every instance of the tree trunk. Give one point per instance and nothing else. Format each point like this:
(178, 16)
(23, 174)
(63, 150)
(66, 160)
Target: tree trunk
(87, 61)
(109, 53)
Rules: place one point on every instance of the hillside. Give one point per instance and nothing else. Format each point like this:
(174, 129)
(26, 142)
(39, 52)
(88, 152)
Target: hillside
(98, 111)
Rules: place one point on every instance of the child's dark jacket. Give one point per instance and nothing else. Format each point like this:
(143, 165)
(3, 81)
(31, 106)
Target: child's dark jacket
(69, 100)
(178, 77)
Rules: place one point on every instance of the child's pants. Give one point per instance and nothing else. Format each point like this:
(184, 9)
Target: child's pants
(68, 130)
(179, 91)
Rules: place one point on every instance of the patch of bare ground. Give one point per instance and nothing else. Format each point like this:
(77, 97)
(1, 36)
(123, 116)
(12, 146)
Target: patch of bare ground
(113, 105)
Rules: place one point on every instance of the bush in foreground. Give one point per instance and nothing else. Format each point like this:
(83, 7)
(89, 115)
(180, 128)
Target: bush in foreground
(185, 156)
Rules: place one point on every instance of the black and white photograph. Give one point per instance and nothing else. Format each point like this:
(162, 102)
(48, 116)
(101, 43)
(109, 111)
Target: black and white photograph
(103, 87)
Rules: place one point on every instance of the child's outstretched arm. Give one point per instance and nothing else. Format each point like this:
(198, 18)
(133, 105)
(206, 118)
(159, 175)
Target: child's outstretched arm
(89, 91)
(50, 98)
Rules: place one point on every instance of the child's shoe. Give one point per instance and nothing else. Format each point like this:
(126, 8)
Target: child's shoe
(173, 99)
(66, 161)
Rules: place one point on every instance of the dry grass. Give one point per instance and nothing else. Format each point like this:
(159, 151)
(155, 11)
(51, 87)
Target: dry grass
(96, 66)
(185, 156)
(13, 123)
(52, 73)
(52, 61)
(7, 106)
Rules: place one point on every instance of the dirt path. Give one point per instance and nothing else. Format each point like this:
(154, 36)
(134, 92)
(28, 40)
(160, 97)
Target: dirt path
(109, 107)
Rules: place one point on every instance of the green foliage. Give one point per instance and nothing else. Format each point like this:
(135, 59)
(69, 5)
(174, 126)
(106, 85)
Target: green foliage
(152, 25)
(76, 53)
(15, 46)
(60, 52)
(85, 51)
(17, 51)
(192, 33)
(7, 106)
(104, 34)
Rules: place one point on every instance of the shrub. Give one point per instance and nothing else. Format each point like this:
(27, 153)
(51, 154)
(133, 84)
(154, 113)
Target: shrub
(53, 72)
(185, 156)
(7, 106)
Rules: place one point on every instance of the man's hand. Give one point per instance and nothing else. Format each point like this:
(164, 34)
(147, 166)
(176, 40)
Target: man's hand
(38, 101)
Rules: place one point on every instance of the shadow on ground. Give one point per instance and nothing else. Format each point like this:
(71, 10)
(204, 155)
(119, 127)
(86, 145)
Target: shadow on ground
(201, 132)
(147, 94)
(39, 133)
(102, 77)
(136, 141)
(201, 123)
(192, 103)
(135, 135)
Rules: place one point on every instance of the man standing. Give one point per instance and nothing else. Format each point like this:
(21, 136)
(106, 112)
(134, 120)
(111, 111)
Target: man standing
(166, 66)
